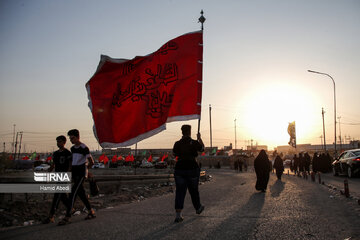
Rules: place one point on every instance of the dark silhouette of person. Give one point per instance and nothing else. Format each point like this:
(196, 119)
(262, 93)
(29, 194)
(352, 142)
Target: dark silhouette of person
(296, 164)
(187, 171)
(307, 162)
(322, 163)
(315, 162)
(279, 166)
(262, 170)
(236, 165)
(301, 162)
(328, 161)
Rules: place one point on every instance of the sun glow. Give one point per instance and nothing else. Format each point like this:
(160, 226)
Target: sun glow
(269, 109)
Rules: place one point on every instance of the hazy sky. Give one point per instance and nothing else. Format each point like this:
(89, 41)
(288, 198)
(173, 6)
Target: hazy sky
(256, 57)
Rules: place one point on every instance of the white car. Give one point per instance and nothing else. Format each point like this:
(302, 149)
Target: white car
(98, 165)
(42, 167)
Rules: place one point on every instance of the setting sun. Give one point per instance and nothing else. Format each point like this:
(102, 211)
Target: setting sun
(268, 111)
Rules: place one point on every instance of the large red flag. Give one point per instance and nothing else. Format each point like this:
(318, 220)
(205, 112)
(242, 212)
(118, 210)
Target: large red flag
(131, 100)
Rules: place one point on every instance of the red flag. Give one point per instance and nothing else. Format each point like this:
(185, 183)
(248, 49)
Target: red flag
(25, 158)
(48, 159)
(114, 159)
(150, 159)
(131, 100)
(120, 158)
(101, 158)
(164, 157)
(106, 159)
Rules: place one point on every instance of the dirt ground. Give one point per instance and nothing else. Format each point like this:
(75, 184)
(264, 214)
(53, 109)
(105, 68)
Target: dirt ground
(23, 210)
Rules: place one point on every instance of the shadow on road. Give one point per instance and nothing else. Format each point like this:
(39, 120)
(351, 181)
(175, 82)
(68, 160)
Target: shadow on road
(233, 226)
(277, 188)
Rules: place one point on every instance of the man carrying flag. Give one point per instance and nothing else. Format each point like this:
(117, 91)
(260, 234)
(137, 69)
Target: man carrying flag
(187, 171)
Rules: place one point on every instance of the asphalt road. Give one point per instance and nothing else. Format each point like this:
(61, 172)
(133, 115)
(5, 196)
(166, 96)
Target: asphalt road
(293, 208)
(338, 182)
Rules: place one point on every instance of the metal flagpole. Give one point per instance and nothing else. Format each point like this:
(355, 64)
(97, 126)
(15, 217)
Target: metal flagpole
(201, 20)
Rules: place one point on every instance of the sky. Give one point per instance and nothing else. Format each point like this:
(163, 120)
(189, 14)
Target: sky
(256, 57)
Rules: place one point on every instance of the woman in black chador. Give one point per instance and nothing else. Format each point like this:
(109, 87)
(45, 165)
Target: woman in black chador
(279, 166)
(262, 170)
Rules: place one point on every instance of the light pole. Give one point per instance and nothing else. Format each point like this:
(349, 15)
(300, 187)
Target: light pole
(235, 131)
(335, 153)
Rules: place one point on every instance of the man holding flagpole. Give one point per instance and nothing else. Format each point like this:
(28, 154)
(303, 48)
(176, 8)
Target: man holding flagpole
(187, 171)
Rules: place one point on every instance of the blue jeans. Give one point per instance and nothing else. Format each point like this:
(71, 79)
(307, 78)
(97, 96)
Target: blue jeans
(187, 179)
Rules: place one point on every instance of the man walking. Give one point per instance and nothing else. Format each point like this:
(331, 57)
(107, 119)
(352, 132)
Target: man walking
(61, 163)
(187, 171)
(81, 161)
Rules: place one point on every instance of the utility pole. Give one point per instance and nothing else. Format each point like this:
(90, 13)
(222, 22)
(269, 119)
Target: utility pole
(21, 134)
(322, 112)
(340, 134)
(15, 150)
(235, 132)
(4, 147)
(210, 127)
(13, 142)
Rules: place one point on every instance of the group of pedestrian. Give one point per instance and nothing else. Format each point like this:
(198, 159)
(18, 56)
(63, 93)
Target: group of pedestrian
(301, 163)
(186, 173)
(78, 160)
(321, 162)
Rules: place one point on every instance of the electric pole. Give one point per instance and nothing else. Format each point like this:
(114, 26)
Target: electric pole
(210, 127)
(21, 134)
(322, 112)
(235, 132)
(340, 134)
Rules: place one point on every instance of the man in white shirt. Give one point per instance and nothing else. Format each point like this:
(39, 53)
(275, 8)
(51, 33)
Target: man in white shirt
(81, 161)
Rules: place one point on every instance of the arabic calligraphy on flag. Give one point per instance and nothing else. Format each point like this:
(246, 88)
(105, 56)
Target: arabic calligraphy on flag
(131, 100)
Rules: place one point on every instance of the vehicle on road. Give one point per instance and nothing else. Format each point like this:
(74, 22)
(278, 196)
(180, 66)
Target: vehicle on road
(42, 167)
(287, 163)
(98, 165)
(347, 163)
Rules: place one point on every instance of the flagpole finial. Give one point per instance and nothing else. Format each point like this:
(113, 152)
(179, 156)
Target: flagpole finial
(202, 19)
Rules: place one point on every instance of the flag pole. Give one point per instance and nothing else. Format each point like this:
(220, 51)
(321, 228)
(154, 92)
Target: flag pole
(201, 20)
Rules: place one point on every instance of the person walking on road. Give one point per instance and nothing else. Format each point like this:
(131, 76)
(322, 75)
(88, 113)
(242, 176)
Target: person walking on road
(279, 166)
(307, 163)
(61, 163)
(81, 161)
(262, 170)
(187, 171)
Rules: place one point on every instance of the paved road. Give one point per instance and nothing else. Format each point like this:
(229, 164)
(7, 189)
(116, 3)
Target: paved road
(338, 182)
(290, 209)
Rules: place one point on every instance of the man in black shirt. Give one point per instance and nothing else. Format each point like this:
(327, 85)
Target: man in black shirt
(187, 171)
(61, 163)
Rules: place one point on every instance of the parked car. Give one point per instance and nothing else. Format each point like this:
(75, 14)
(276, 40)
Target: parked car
(347, 163)
(42, 167)
(287, 163)
(98, 165)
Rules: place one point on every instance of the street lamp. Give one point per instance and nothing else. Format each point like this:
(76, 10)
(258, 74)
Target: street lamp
(335, 153)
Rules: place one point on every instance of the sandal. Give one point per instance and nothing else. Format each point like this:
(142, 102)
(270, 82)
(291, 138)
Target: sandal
(90, 215)
(49, 220)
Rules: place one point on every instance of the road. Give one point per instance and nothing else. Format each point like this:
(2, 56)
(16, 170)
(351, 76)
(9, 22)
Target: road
(293, 208)
(338, 182)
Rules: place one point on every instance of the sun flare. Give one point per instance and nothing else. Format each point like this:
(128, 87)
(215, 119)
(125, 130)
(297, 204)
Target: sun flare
(268, 111)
